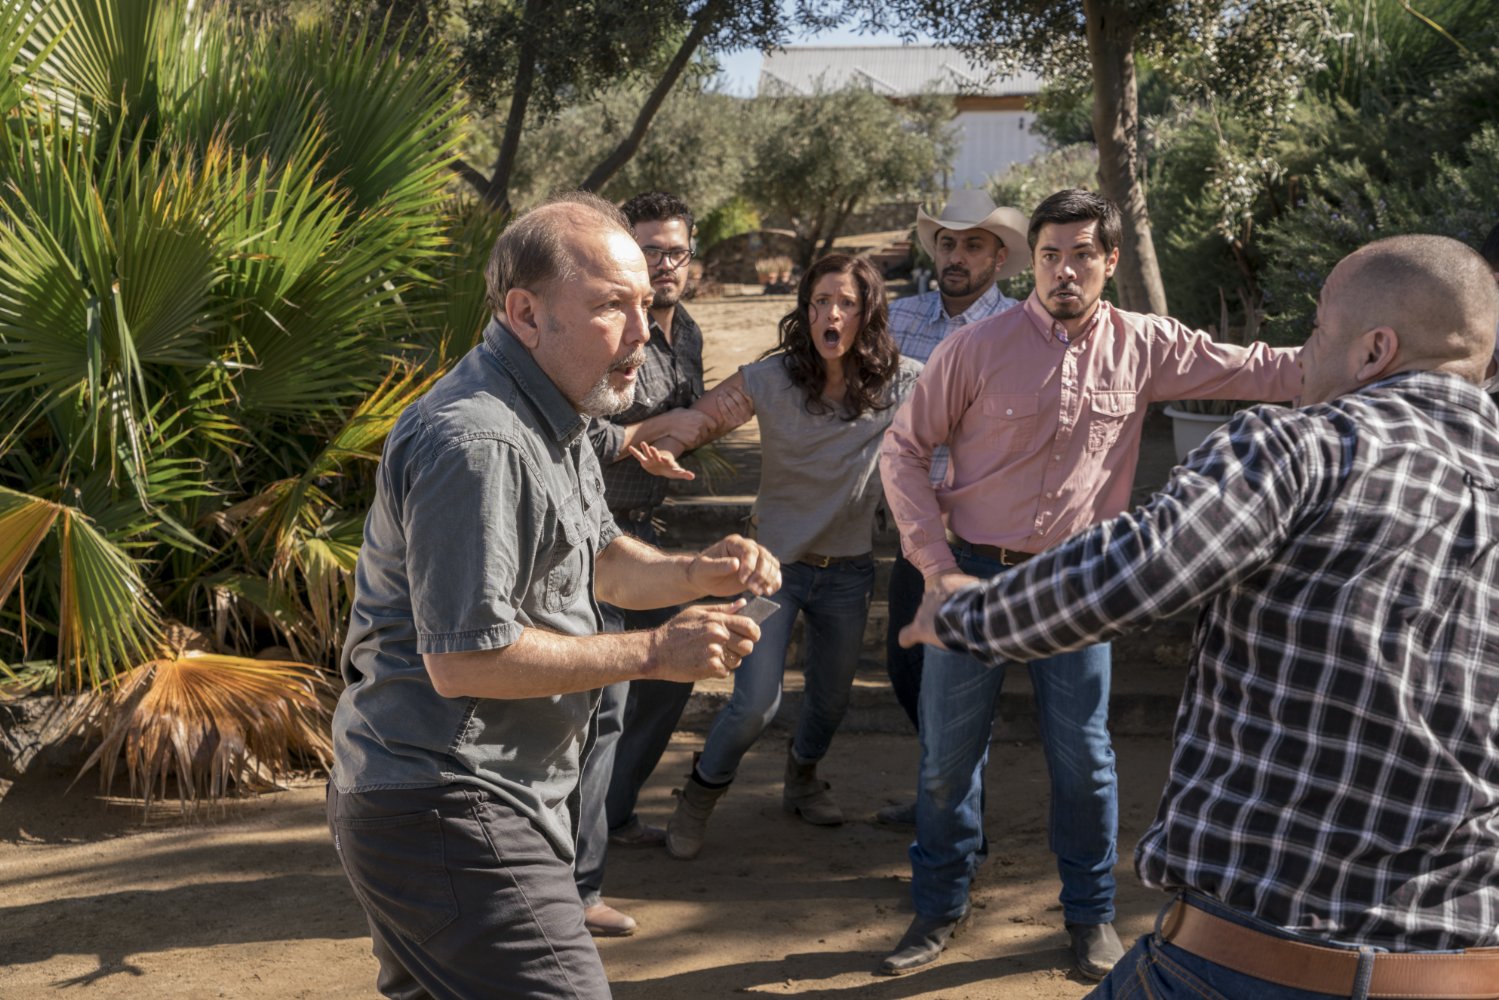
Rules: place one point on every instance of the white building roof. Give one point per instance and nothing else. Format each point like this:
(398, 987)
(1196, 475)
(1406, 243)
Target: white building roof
(891, 70)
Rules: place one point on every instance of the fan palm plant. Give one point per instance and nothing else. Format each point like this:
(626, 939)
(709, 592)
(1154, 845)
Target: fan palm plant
(219, 245)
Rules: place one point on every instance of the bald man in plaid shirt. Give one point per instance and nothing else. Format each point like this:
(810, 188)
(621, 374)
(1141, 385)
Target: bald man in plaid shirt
(1331, 820)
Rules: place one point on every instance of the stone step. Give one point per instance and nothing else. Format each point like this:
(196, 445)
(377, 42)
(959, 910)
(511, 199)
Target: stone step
(698, 521)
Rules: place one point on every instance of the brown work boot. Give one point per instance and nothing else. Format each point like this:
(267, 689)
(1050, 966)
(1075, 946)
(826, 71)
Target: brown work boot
(806, 794)
(689, 824)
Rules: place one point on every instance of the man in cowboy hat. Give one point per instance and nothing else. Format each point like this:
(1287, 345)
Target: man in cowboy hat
(973, 244)
(1042, 407)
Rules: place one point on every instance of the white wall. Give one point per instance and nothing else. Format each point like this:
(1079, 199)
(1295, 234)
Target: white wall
(990, 142)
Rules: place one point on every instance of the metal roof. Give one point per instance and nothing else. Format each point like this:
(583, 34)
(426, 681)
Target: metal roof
(892, 70)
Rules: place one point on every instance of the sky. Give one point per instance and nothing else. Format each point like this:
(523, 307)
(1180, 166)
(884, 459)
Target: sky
(741, 70)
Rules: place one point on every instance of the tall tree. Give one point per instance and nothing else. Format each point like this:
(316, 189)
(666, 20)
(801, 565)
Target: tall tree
(821, 157)
(532, 58)
(1258, 54)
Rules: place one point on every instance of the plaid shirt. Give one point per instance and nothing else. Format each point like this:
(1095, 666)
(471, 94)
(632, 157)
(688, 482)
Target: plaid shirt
(919, 323)
(672, 377)
(1336, 762)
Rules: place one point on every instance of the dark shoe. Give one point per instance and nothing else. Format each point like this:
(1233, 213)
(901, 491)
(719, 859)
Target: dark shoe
(1096, 948)
(922, 944)
(902, 815)
(638, 833)
(603, 920)
(806, 795)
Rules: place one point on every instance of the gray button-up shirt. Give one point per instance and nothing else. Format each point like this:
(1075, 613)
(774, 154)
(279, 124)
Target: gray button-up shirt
(488, 513)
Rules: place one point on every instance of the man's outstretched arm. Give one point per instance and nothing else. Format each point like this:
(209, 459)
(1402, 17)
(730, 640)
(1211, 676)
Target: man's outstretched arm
(1215, 523)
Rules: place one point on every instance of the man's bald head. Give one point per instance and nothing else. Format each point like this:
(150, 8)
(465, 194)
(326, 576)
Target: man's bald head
(1407, 303)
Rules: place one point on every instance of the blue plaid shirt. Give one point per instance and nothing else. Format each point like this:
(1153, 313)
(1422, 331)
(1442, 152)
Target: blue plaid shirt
(919, 323)
(1336, 761)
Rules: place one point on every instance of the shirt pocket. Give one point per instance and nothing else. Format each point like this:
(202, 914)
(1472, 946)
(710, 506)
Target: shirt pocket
(1009, 421)
(572, 555)
(1108, 411)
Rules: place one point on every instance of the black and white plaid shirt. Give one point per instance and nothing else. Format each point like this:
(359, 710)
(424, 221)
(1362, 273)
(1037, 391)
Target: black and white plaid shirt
(672, 377)
(1336, 762)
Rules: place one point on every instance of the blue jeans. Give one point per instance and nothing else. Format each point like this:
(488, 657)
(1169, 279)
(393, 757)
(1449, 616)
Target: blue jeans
(1155, 970)
(958, 698)
(835, 601)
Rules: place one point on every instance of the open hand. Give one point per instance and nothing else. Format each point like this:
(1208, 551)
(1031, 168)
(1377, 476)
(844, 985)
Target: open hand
(659, 462)
(734, 564)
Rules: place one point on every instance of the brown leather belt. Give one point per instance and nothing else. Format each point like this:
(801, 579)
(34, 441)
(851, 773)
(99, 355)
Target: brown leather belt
(1000, 554)
(1469, 975)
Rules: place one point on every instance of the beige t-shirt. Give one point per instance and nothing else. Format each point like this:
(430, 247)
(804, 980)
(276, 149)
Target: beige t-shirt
(819, 473)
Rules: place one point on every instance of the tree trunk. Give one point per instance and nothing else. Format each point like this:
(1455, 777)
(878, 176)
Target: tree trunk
(495, 190)
(621, 154)
(1116, 123)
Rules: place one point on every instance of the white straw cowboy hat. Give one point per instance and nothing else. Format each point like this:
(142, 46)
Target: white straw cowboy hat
(970, 209)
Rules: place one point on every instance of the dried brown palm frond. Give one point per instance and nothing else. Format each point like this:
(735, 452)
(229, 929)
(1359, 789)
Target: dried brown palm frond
(212, 723)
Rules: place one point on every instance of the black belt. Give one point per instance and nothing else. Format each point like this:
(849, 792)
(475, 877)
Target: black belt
(823, 562)
(1000, 554)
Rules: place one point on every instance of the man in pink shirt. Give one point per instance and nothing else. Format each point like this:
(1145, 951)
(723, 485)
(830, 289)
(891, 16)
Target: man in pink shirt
(1042, 409)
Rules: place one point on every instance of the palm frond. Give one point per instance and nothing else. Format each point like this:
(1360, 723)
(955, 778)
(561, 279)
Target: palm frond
(24, 522)
(107, 618)
(295, 519)
(18, 57)
(212, 723)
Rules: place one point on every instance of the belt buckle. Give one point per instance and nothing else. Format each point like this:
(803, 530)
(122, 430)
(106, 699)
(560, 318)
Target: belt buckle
(823, 562)
(1004, 557)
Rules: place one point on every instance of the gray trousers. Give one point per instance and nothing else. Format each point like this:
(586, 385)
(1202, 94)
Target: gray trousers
(465, 898)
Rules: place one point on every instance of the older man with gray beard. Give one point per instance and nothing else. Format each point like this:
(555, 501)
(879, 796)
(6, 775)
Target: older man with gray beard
(473, 661)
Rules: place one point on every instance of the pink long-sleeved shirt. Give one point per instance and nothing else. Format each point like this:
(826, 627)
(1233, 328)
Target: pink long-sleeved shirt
(1045, 434)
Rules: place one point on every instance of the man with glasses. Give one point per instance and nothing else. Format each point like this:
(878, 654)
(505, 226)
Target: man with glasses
(636, 719)
(1042, 408)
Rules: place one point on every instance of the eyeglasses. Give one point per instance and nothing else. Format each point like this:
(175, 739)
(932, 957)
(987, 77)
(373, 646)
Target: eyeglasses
(676, 258)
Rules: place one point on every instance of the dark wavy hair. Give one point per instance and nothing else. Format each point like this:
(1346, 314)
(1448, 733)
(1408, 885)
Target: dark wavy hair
(1078, 205)
(868, 366)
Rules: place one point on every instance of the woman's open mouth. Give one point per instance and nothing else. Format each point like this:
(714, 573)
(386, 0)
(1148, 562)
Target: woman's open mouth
(831, 337)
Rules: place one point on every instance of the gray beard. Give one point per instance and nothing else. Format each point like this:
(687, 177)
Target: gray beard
(603, 400)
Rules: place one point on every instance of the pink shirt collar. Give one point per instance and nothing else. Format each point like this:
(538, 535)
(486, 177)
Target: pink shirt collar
(1051, 329)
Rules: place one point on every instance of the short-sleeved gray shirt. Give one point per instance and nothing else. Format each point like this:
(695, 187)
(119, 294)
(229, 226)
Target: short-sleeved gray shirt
(819, 474)
(488, 513)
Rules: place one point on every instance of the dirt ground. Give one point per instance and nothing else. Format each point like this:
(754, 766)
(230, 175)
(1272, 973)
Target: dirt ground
(252, 904)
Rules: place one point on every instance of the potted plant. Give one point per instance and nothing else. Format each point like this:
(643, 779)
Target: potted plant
(1192, 420)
